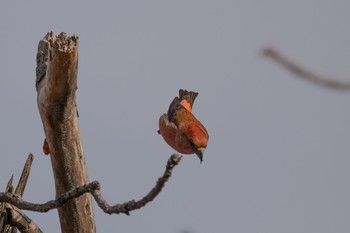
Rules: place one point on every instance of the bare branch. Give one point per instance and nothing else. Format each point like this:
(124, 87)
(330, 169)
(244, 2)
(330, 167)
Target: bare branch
(53, 204)
(304, 73)
(11, 217)
(24, 177)
(5, 218)
(21, 221)
(133, 205)
(94, 188)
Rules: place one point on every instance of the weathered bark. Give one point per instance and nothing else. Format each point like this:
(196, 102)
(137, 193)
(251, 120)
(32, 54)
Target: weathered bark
(95, 189)
(11, 217)
(56, 83)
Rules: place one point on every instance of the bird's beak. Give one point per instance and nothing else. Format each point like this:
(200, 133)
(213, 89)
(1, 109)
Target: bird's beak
(199, 153)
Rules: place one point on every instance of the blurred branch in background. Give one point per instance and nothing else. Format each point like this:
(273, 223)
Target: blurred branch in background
(304, 73)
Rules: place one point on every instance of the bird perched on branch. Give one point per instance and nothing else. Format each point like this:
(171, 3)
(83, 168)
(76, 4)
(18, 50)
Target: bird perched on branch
(181, 129)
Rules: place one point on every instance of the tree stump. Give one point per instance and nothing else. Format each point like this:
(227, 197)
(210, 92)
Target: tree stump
(56, 84)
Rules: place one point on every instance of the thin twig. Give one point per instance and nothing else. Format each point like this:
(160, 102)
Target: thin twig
(133, 205)
(304, 73)
(94, 188)
(53, 204)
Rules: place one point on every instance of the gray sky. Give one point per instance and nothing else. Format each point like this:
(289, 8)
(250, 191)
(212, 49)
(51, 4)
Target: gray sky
(278, 157)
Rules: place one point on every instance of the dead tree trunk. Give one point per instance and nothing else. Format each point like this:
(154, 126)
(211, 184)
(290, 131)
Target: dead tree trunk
(56, 83)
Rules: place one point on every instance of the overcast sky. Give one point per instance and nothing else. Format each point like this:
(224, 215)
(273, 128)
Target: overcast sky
(278, 158)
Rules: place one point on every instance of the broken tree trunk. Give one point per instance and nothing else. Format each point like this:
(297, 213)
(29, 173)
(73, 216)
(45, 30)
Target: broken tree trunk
(56, 83)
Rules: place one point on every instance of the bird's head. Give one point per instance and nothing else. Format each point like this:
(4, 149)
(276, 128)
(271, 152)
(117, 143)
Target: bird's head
(197, 137)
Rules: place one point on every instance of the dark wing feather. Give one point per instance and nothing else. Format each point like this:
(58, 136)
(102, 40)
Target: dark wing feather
(173, 107)
(189, 96)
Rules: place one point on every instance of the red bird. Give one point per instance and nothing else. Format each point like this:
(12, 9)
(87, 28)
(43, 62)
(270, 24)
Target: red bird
(181, 129)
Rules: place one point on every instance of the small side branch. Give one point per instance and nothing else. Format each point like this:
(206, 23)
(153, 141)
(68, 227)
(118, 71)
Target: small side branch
(94, 188)
(304, 73)
(25, 175)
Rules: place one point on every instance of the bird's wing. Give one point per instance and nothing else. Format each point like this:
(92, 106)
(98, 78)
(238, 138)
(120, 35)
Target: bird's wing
(182, 103)
(173, 108)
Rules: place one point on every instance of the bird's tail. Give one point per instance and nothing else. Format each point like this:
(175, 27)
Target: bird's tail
(189, 96)
(184, 101)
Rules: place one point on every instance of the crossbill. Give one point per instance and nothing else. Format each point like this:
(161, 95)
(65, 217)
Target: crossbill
(181, 129)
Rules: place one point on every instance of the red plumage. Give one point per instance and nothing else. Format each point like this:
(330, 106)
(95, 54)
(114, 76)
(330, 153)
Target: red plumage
(181, 129)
